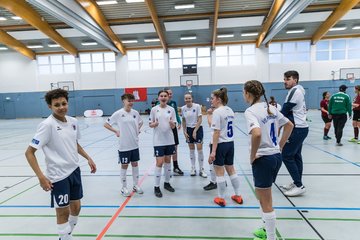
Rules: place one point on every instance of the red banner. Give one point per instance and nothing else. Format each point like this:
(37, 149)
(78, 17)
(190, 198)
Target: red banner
(140, 94)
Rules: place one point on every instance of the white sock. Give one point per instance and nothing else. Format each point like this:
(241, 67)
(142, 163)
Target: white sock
(262, 218)
(201, 159)
(123, 177)
(64, 231)
(192, 157)
(235, 183)
(157, 175)
(212, 174)
(167, 171)
(270, 221)
(221, 186)
(135, 175)
(73, 221)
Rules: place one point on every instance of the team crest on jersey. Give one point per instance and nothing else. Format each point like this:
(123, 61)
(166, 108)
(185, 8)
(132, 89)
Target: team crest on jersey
(35, 141)
(123, 115)
(193, 110)
(74, 127)
(157, 110)
(252, 124)
(213, 125)
(134, 116)
(58, 128)
(169, 112)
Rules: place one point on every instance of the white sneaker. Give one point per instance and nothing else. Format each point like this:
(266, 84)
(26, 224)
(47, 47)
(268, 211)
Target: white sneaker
(125, 192)
(193, 172)
(288, 186)
(295, 191)
(202, 173)
(138, 189)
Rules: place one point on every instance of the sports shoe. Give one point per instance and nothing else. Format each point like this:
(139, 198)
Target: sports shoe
(237, 198)
(288, 186)
(339, 144)
(295, 191)
(202, 173)
(138, 189)
(358, 142)
(168, 187)
(210, 186)
(220, 201)
(325, 137)
(193, 172)
(260, 233)
(178, 171)
(125, 192)
(328, 137)
(157, 192)
(352, 140)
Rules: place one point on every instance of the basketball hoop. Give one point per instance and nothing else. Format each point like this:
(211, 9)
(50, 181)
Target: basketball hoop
(189, 84)
(351, 77)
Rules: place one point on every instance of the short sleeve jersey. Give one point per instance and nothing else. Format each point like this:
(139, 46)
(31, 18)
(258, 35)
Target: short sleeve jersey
(128, 124)
(163, 135)
(324, 104)
(58, 140)
(222, 119)
(258, 117)
(191, 114)
(357, 101)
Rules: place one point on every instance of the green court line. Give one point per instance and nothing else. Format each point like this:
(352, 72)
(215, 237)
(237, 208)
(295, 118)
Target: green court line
(19, 194)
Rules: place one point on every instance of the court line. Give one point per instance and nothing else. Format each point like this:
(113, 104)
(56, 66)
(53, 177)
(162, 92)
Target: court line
(9, 187)
(18, 194)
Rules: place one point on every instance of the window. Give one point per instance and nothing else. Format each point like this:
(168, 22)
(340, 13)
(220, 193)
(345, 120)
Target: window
(97, 62)
(289, 52)
(338, 49)
(145, 60)
(56, 64)
(235, 55)
(199, 56)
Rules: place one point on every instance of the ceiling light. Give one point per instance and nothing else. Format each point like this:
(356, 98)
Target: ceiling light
(356, 27)
(106, 2)
(3, 19)
(184, 6)
(337, 29)
(133, 1)
(3, 48)
(130, 41)
(249, 34)
(230, 35)
(53, 45)
(35, 46)
(152, 40)
(16, 18)
(295, 31)
(89, 43)
(187, 37)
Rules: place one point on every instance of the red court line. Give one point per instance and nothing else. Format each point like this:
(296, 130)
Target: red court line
(113, 218)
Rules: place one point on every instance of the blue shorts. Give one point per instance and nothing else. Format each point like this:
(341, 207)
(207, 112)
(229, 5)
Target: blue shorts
(66, 190)
(160, 151)
(265, 170)
(224, 154)
(199, 135)
(129, 156)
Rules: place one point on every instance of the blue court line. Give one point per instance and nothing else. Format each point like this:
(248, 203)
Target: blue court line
(191, 207)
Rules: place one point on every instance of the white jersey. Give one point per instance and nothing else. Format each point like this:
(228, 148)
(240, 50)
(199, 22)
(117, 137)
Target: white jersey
(294, 107)
(258, 117)
(128, 124)
(222, 120)
(58, 140)
(163, 134)
(191, 115)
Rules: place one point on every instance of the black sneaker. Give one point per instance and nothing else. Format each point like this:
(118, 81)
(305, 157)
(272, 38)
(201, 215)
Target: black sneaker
(178, 171)
(168, 187)
(157, 192)
(210, 186)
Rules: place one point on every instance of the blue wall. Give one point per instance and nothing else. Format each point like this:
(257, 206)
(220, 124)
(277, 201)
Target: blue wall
(32, 104)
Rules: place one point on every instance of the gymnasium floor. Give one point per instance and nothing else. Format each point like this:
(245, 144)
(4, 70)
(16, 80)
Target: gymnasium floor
(329, 210)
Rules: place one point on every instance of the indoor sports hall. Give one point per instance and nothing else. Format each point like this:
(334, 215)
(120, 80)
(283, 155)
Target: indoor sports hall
(99, 50)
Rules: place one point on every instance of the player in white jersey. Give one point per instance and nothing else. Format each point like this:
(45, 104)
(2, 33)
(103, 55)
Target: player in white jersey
(163, 120)
(193, 132)
(222, 146)
(58, 137)
(263, 122)
(128, 122)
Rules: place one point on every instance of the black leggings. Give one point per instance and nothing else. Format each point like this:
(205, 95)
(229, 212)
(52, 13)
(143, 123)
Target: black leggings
(339, 121)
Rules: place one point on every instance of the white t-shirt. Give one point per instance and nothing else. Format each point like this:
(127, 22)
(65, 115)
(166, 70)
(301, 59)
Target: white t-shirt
(296, 95)
(128, 124)
(58, 140)
(222, 120)
(163, 134)
(258, 117)
(191, 115)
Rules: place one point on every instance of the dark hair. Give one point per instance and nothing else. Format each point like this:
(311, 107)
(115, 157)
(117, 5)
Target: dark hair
(293, 74)
(55, 94)
(256, 89)
(127, 96)
(324, 94)
(222, 94)
(161, 91)
(188, 93)
(167, 88)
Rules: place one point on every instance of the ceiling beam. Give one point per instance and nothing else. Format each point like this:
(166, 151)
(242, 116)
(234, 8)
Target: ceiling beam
(216, 16)
(94, 11)
(18, 46)
(22, 9)
(155, 19)
(344, 7)
(275, 9)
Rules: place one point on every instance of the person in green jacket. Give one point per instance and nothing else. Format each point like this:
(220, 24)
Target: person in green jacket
(339, 105)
